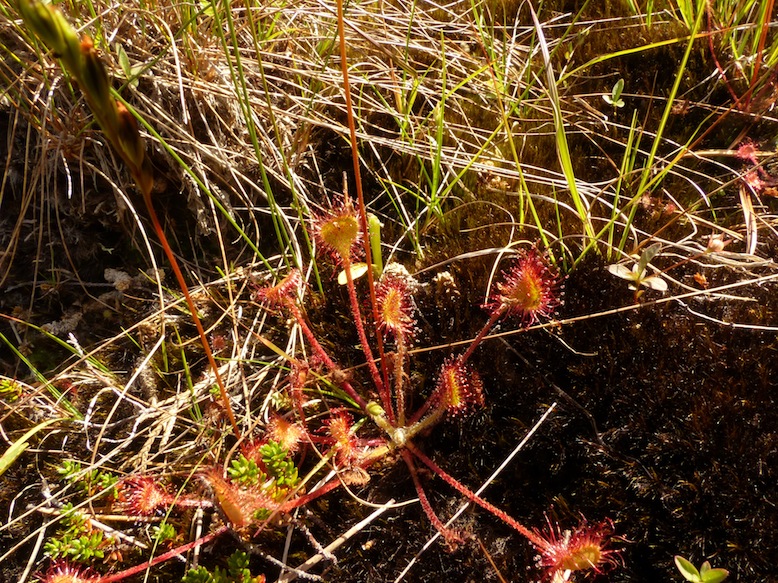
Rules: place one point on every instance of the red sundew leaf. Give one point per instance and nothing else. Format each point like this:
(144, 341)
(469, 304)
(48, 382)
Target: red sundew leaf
(395, 307)
(460, 387)
(142, 496)
(582, 549)
(529, 290)
(64, 572)
(338, 230)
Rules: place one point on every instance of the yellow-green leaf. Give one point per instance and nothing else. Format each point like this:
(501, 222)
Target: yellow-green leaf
(18, 447)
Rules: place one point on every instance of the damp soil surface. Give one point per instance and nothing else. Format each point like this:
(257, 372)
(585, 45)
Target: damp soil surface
(664, 427)
(665, 424)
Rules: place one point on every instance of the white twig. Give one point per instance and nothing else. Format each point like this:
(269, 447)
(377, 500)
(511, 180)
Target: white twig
(291, 576)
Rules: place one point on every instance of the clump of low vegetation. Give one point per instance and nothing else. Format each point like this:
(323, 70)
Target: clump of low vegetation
(388, 291)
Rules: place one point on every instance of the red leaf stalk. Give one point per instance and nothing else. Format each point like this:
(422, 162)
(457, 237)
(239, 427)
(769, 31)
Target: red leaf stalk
(539, 542)
(361, 203)
(452, 538)
(377, 378)
(163, 557)
(322, 354)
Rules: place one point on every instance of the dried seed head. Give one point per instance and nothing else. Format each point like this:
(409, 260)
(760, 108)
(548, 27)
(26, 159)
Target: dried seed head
(583, 549)
(129, 137)
(459, 387)
(338, 230)
(143, 496)
(51, 26)
(395, 307)
(96, 84)
(529, 290)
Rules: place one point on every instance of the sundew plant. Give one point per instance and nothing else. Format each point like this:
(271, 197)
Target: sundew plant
(387, 291)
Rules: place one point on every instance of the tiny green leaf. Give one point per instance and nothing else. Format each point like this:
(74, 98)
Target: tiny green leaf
(654, 282)
(624, 272)
(131, 73)
(648, 254)
(18, 447)
(715, 575)
(710, 575)
(357, 271)
(617, 89)
(374, 231)
(124, 60)
(689, 571)
(614, 98)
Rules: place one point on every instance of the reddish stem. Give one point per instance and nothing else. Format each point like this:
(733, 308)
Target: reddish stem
(534, 538)
(305, 498)
(292, 504)
(484, 331)
(498, 313)
(760, 49)
(322, 354)
(399, 385)
(433, 399)
(723, 75)
(352, 294)
(195, 318)
(447, 533)
(308, 333)
(163, 557)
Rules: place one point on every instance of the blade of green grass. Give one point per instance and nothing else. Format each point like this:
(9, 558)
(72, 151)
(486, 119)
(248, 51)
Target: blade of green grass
(648, 177)
(563, 150)
(54, 391)
(17, 447)
(498, 82)
(232, 53)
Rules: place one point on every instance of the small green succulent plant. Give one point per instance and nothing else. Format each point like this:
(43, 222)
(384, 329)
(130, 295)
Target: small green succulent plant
(705, 574)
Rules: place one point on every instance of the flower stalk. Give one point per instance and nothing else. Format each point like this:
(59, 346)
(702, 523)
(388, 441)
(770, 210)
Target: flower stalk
(80, 59)
(363, 218)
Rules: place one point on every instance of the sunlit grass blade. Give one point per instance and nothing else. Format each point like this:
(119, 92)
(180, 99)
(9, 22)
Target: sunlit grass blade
(17, 447)
(649, 177)
(560, 133)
